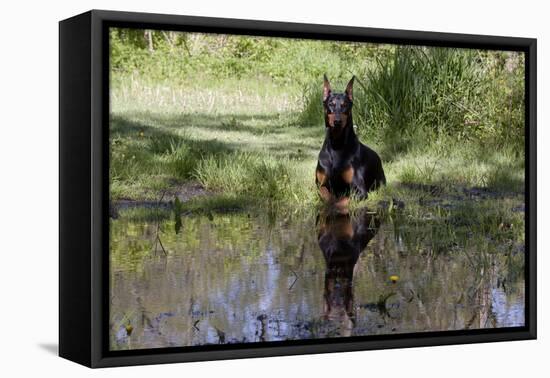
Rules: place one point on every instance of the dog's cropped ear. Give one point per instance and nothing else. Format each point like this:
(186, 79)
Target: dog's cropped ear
(349, 88)
(326, 88)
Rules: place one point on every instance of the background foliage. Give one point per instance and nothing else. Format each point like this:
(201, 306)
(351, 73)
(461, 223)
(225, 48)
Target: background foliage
(404, 95)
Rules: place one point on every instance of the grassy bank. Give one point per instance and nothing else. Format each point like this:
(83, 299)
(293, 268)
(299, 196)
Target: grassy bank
(237, 141)
(242, 120)
(250, 156)
(257, 147)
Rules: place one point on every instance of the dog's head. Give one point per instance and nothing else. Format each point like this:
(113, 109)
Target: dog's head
(337, 106)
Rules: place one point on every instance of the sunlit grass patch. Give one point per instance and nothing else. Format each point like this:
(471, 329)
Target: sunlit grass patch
(212, 97)
(258, 177)
(147, 214)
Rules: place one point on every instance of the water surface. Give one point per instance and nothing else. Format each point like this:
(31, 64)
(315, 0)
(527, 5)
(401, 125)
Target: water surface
(240, 278)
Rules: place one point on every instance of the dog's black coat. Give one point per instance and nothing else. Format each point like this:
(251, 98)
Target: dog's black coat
(345, 165)
(342, 238)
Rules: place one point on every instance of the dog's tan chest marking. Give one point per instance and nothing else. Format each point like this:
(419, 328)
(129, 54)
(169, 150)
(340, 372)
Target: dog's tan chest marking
(321, 177)
(343, 229)
(347, 175)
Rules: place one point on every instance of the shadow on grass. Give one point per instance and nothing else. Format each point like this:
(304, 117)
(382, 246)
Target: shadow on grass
(255, 124)
(150, 155)
(156, 140)
(161, 140)
(214, 122)
(147, 158)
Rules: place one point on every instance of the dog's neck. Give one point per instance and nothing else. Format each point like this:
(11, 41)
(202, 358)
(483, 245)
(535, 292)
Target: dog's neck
(346, 140)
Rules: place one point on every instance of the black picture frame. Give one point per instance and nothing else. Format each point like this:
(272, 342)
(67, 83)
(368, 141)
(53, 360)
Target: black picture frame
(83, 181)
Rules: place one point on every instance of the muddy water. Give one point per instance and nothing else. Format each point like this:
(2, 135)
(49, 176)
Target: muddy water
(242, 278)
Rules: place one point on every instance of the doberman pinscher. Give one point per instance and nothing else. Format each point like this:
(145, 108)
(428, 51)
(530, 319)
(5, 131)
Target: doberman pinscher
(345, 165)
(342, 238)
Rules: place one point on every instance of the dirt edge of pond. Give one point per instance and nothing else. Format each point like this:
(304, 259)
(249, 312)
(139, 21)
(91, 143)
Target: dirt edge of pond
(191, 190)
(183, 192)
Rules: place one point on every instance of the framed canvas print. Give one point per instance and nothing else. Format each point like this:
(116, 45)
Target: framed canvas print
(233, 188)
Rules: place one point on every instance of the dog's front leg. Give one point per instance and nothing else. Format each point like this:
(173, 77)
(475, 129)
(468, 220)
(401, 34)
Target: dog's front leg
(322, 180)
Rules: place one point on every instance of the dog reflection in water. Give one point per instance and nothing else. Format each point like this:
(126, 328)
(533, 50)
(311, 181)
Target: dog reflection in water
(342, 237)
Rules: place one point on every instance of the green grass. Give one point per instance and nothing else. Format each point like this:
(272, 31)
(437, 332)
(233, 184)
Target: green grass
(247, 148)
(447, 123)
(254, 151)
